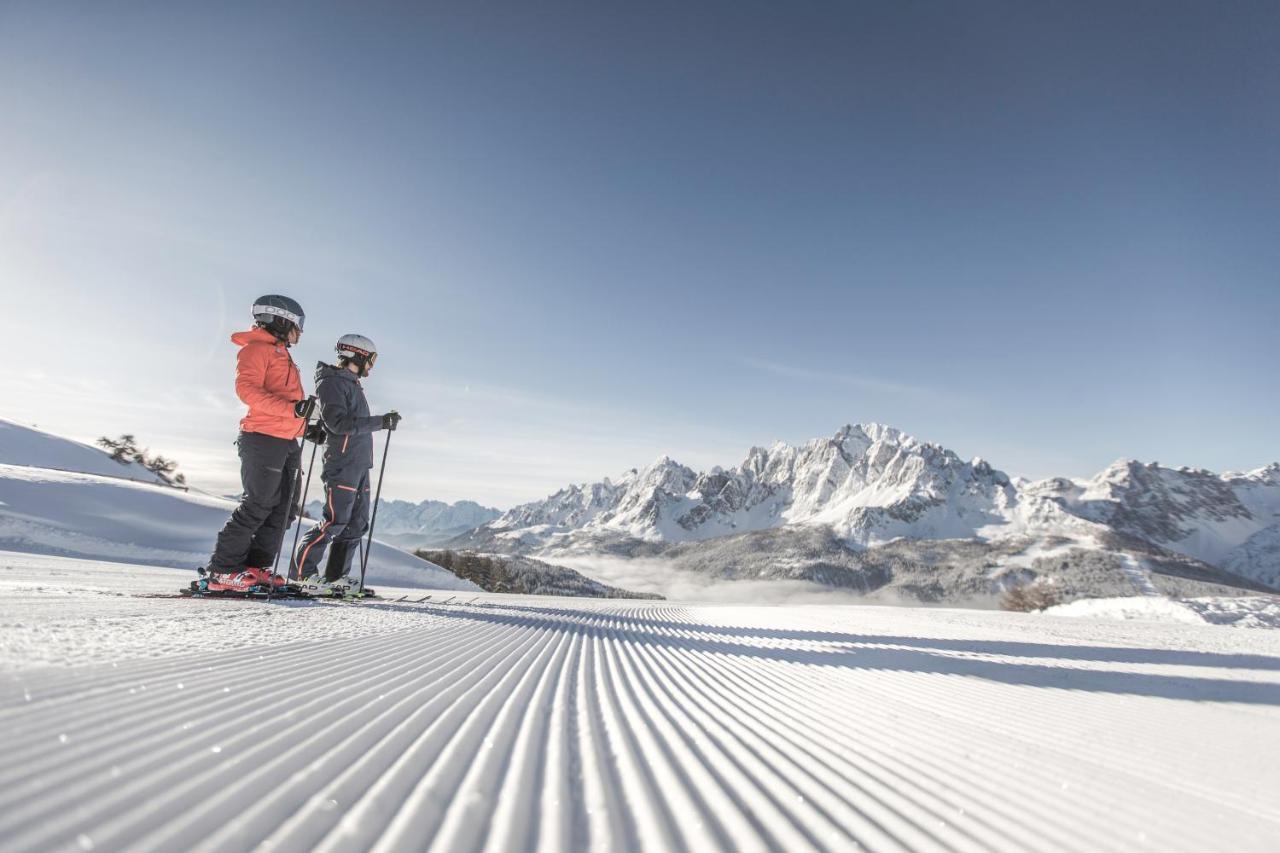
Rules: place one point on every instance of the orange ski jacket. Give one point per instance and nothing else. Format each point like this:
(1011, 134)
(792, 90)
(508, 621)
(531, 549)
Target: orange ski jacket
(267, 381)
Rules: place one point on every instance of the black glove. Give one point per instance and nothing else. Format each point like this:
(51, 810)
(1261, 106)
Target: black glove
(316, 433)
(305, 408)
(390, 420)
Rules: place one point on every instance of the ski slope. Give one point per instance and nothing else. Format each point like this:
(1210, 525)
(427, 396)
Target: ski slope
(60, 497)
(84, 515)
(486, 722)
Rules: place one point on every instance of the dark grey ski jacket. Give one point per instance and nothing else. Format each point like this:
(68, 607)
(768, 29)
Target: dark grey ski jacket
(344, 411)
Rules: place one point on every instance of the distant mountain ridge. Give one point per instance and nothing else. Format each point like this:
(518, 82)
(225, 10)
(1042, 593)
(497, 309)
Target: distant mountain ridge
(870, 484)
(523, 576)
(424, 524)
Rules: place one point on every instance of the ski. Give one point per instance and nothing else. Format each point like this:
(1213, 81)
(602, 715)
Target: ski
(368, 594)
(195, 590)
(289, 593)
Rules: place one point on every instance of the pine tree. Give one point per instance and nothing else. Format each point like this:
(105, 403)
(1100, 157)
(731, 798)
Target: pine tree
(123, 449)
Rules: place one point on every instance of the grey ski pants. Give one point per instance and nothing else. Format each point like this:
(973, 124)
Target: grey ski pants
(251, 537)
(345, 520)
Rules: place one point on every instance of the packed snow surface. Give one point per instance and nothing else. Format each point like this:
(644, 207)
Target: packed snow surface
(473, 721)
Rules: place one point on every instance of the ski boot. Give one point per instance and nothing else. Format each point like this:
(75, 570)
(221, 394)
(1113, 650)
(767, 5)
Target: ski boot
(245, 581)
(353, 588)
(316, 586)
(348, 587)
(266, 578)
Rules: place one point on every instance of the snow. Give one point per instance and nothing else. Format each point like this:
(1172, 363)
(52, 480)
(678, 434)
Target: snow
(1249, 611)
(1259, 556)
(1138, 574)
(1254, 611)
(1144, 608)
(1034, 550)
(87, 515)
(513, 723)
(23, 445)
(82, 515)
(1212, 541)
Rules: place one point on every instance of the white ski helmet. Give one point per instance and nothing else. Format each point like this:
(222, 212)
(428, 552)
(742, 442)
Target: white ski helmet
(357, 349)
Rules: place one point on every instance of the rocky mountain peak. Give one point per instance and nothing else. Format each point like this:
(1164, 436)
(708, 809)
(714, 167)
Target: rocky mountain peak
(870, 484)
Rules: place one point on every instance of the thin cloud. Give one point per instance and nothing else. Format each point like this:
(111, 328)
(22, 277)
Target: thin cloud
(862, 383)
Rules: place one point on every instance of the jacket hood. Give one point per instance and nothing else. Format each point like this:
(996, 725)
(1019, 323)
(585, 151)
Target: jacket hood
(328, 371)
(255, 335)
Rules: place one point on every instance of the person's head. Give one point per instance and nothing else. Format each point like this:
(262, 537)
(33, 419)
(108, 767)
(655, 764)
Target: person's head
(281, 316)
(357, 354)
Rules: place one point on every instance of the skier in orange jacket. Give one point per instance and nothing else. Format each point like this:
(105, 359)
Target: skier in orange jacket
(267, 381)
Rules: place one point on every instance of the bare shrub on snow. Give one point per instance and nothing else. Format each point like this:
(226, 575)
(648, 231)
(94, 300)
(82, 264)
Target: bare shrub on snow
(1025, 597)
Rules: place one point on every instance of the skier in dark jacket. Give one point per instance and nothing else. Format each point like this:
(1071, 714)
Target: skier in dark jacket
(346, 429)
(267, 381)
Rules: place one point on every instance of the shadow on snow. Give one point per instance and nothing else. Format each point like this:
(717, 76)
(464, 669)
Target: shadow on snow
(921, 655)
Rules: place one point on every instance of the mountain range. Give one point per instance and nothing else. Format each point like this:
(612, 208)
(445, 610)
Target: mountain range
(876, 509)
(425, 524)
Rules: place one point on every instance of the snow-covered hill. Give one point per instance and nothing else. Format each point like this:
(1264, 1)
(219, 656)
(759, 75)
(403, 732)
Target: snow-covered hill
(48, 511)
(24, 445)
(869, 485)
(507, 723)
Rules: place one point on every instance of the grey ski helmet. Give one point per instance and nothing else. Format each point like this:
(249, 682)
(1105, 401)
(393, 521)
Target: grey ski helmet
(274, 311)
(359, 350)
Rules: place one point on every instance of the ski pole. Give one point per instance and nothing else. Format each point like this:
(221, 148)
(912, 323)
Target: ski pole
(364, 558)
(293, 493)
(302, 512)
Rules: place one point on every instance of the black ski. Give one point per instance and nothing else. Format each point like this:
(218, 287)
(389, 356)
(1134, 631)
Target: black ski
(288, 593)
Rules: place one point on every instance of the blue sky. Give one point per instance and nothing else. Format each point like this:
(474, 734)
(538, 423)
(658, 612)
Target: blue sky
(584, 235)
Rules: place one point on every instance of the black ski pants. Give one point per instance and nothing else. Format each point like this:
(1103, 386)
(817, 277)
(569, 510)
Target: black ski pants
(345, 520)
(269, 467)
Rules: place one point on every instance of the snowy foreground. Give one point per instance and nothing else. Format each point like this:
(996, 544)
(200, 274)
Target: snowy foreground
(499, 722)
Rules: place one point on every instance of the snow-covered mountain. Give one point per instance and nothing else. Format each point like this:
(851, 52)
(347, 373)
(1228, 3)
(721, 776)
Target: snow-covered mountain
(523, 575)
(1227, 520)
(869, 485)
(425, 524)
(870, 482)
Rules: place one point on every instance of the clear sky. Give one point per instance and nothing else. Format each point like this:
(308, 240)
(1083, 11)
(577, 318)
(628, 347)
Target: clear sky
(584, 235)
